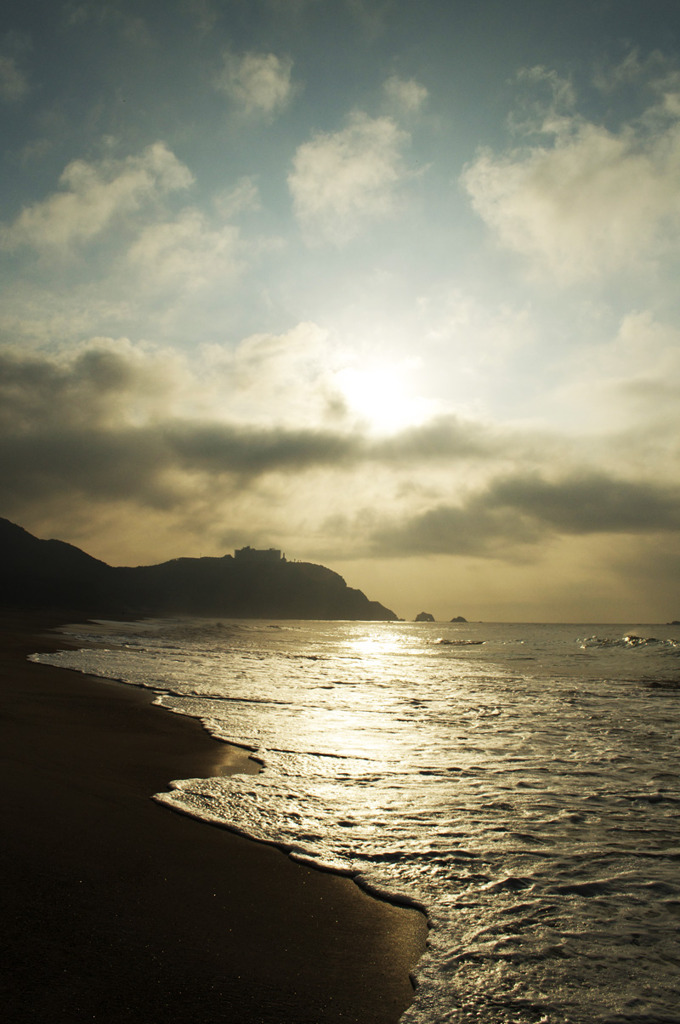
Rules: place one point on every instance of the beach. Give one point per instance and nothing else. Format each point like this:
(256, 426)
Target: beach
(117, 909)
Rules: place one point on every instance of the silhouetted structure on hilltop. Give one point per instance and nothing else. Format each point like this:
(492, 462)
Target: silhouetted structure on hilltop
(250, 584)
(261, 557)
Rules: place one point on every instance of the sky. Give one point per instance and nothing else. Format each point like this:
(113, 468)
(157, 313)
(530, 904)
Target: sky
(389, 285)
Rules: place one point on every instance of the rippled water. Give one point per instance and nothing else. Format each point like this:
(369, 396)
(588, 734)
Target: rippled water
(520, 782)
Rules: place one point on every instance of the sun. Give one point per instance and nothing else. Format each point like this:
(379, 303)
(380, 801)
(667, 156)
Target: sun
(382, 398)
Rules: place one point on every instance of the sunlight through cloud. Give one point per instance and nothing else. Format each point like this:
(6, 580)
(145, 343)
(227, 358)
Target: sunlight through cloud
(382, 397)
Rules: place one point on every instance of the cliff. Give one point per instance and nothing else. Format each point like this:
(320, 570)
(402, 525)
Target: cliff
(52, 574)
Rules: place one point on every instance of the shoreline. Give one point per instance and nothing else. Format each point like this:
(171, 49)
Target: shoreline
(118, 911)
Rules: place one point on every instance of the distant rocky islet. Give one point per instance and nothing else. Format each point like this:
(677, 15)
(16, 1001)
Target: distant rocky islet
(429, 617)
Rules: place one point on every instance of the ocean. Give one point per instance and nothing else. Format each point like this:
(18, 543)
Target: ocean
(520, 783)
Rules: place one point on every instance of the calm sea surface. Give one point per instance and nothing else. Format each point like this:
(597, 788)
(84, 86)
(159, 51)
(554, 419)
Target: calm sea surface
(520, 782)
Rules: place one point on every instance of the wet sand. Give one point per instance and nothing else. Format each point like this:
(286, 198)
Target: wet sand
(116, 909)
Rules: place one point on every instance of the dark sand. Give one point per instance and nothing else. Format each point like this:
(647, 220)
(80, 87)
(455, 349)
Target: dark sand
(116, 909)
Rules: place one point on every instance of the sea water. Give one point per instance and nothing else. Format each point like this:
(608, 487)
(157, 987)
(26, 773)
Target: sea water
(521, 783)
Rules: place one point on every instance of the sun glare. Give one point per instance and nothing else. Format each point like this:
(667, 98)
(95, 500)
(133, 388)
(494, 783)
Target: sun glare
(382, 398)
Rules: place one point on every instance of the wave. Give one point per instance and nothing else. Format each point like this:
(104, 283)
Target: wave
(459, 643)
(630, 640)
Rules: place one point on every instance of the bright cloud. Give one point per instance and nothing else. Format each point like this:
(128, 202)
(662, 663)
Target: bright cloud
(343, 179)
(632, 384)
(325, 355)
(138, 452)
(186, 253)
(644, 348)
(92, 195)
(587, 202)
(141, 423)
(114, 421)
(407, 95)
(288, 376)
(257, 83)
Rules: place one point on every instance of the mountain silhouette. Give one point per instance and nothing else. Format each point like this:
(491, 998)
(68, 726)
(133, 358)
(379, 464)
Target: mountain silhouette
(249, 584)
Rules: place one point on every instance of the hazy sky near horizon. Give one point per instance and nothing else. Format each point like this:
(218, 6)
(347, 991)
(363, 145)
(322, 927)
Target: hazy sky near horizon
(390, 285)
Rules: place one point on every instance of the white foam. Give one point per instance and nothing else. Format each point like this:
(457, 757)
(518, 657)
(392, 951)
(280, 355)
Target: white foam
(529, 805)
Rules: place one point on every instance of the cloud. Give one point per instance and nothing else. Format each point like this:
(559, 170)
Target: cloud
(545, 104)
(203, 14)
(100, 14)
(13, 83)
(372, 15)
(514, 513)
(590, 503)
(249, 452)
(259, 436)
(186, 253)
(285, 376)
(581, 200)
(258, 84)
(640, 369)
(406, 95)
(111, 419)
(631, 390)
(93, 195)
(299, 379)
(653, 73)
(242, 198)
(67, 426)
(445, 438)
(342, 180)
(645, 356)
(100, 384)
(449, 530)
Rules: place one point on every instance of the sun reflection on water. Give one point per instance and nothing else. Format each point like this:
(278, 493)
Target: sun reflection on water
(379, 645)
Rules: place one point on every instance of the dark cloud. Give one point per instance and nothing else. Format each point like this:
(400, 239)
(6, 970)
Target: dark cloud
(102, 424)
(249, 452)
(36, 392)
(99, 465)
(592, 503)
(47, 455)
(107, 426)
(150, 464)
(232, 448)
(514, 512)
(446, 437)
(469, 530)
(68, 430)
